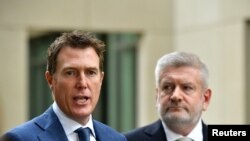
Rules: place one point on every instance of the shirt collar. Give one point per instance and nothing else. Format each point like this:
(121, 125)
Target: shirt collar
(70, 125)
(196, 134)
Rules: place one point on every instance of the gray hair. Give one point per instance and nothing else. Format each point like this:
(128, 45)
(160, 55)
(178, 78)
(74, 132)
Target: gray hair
(180, 59)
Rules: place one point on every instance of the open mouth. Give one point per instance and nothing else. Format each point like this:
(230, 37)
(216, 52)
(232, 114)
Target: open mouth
(81, 99)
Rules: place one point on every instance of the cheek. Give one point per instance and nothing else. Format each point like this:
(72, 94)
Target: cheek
(96, 89)
(60, 91)
(96, 85)
(163, 100)
(199, 103)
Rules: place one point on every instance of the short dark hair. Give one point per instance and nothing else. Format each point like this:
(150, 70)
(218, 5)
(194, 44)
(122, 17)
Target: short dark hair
(74, 39)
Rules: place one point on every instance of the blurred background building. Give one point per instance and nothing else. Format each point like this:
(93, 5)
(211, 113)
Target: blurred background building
(137, 33)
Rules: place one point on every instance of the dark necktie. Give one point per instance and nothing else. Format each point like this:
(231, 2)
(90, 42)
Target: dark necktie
(83, 134)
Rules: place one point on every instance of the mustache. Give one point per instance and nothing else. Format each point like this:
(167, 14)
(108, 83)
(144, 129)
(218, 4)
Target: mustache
(176, 105)
(173, 103)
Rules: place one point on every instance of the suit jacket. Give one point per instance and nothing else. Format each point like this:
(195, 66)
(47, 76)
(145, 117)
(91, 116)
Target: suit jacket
(154, 132)
(47, 127)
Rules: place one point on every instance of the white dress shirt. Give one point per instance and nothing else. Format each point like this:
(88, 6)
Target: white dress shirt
(196, 134)
(70, 125)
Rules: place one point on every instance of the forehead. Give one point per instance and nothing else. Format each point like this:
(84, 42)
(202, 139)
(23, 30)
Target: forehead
(181, 74)
(78, 56)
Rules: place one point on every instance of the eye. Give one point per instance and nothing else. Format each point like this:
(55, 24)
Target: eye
(70, 73)
(91, 72)
(188, 88)
(168, 88)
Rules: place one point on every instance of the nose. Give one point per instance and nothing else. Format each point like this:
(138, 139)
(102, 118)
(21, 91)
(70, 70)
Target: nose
(81, 81)
(176, 95)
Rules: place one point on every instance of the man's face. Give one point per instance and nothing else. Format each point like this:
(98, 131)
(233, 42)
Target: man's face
(180, 96)
(76, 84)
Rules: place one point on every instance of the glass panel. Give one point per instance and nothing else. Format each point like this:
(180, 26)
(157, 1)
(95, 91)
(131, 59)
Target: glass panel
(247, 52)
(116, 106)
(121, 80)
(40, 96)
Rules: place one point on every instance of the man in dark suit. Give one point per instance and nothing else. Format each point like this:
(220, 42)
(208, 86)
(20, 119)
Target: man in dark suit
(182, 94)
(74, 74)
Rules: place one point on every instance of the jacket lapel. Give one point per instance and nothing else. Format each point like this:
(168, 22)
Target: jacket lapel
(50, 124)
(100, 132)
(204, 131)
(155, 132)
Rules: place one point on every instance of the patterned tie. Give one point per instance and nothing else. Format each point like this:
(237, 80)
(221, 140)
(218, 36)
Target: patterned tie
(184, 139)
(83, 134)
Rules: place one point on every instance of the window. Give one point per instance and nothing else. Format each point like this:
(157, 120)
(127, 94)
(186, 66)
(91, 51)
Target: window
(116, 106)
(247, 52)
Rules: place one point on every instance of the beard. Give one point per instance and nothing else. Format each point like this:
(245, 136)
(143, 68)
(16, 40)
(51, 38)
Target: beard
(178, 118)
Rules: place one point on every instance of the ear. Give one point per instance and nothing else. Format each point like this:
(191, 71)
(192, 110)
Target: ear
(156, 93)
(207, 97)
(156, 96)
(49, 78)
(102, 76)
